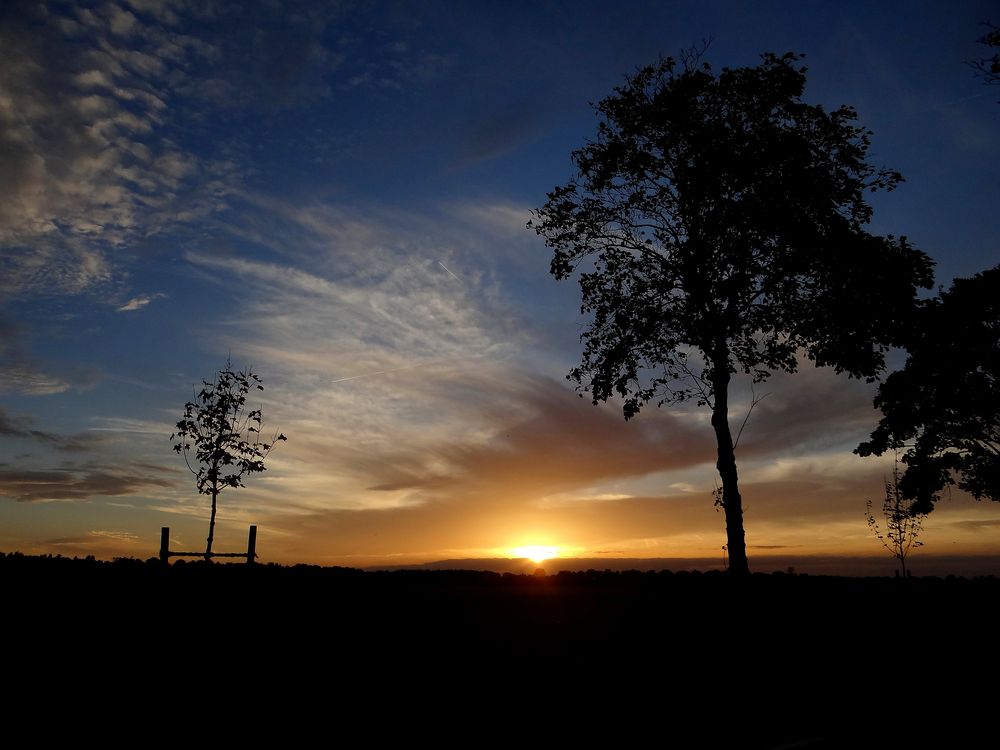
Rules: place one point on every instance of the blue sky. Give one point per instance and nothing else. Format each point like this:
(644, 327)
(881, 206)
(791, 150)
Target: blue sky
(336, 193)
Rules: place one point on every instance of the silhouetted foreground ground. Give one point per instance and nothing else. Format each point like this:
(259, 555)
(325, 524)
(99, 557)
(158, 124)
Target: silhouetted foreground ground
(639, 659)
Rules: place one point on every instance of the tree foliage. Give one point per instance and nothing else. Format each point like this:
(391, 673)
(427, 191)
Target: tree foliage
(717, 226)
(989, 67)
(943, 406)
(220, 439)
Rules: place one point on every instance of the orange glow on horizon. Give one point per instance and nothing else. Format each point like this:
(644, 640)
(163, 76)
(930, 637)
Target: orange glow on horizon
(535, 553)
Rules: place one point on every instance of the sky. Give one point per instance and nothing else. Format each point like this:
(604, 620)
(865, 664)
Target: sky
(336, 194)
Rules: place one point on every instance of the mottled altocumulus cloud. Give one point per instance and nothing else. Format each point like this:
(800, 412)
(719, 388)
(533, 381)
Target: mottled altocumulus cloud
(94, 152)
(120, 121)
(88, 161)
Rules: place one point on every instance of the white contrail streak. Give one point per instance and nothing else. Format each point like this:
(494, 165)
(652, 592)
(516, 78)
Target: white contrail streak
(448, 270)
(380, 372)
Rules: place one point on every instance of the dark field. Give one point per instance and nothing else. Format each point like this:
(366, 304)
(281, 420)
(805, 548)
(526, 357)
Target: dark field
(773, 660)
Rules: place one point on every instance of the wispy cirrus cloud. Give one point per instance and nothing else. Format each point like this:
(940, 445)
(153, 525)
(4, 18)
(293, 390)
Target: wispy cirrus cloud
(98, 536)
(102, 543)
(377, 336)
(137, 303)
(977, 525)
(24, 379)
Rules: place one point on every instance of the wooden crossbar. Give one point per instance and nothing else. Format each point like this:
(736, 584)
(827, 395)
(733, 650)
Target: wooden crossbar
(166, 553)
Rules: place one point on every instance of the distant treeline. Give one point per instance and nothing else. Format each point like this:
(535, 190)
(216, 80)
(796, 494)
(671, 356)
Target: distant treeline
(18, 565)
(564, 640)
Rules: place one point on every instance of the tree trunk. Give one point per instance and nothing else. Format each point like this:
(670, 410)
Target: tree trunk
(732, 504)
(211, 523)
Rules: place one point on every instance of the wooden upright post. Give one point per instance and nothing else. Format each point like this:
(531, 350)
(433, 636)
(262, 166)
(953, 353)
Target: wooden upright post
(165, 545)
(252, 545)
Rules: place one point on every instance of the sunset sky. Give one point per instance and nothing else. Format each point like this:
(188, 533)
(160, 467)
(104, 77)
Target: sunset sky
(336, 193)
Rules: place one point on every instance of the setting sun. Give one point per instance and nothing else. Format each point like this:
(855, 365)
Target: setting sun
(535, 553)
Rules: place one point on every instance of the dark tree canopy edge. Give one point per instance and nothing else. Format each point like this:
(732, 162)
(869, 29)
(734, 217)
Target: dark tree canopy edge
(943, 406)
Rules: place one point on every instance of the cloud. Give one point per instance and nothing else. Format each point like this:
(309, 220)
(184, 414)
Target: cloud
(536, 441)
(21, 428)
(501, 131)
(977, 525)
(420, 425)
(93, 537)
(137, 303)
(22, 378)
(812, 408)
(813, 517)
(164, 11)
(89, 166)
(101, 543)
(351, 282)
(133, 427)
(369, 347)
(20, 374)
(548, 440)
(417, 416)
(83, 483)
(122, 122)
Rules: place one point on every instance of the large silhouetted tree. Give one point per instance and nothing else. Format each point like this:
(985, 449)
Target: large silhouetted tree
(943, 407)
(717, 223)
(224, 436)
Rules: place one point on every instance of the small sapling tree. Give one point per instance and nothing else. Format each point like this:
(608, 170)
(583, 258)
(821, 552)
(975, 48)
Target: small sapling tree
(902, 524)
(220, 439)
